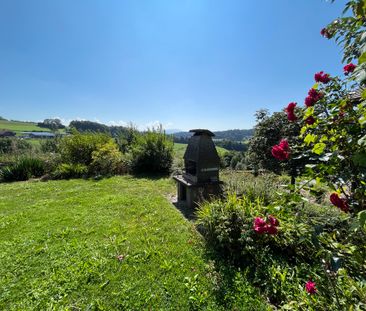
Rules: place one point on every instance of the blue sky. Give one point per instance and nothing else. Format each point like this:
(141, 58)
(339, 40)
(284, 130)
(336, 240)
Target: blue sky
(187, 63)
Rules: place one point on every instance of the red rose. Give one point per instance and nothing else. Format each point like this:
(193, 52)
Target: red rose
(290, 112)
(284, 145)
(281, 151)
(271, 230)
(273, 221)
(260, 230)
(310, 287)
(349, 68)
(325, 33)
(259, 222)
(322, 77)
(310, 120)
(315, 94)
(309, 101)
(339, 202)
(259, 225)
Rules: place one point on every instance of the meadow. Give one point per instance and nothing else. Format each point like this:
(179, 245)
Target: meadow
(18, 126)
(113, 244)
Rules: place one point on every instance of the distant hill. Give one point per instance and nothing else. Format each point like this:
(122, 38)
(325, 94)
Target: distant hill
(233, 135)
(20, 126)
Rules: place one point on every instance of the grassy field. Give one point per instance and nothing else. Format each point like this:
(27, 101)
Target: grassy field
(18, 126)
(60, 242)
(179, 150)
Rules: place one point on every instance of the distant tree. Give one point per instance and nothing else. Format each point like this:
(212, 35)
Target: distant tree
(269, 130)
(231, 145)
(89, 126)
(52, 124)
(2, 119)
(231, 135)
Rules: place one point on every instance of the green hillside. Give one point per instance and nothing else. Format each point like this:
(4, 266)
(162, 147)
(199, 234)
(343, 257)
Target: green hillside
(179, 150)
(18, 126)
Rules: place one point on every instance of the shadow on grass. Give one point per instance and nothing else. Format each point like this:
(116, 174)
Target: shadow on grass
(150, 176)
(188, 213)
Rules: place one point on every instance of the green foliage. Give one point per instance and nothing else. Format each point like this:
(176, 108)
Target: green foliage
(332, 143)
(79, 147)
(52, 124)
(308, 244)
(23, 169)
(107, 159)
(349, 31)
(152, 152)
(88, 126)
(264, 186)
(125, 138)
(67, 171)
(233, 160)
(269, 130)
(14, 146)
(50, 145)
(231, 145)
(6, 145)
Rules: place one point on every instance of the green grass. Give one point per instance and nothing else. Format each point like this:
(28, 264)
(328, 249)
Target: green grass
(59, 241)
(18, 126)
(179, 150)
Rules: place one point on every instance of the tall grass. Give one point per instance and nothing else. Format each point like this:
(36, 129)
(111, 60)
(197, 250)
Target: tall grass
(23, 169)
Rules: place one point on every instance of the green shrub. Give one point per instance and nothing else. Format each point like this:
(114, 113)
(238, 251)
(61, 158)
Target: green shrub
(5, 145)
(107, 160)
(309, 240)
(152, 152)
(50, 145)
(264, 187)
(23, 169)
(78, 148)
(14, 145)
(67, 171)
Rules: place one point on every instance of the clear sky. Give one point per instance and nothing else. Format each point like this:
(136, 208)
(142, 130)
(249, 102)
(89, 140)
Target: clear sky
(184, 63)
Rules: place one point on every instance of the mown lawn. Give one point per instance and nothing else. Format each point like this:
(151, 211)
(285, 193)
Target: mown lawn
(59, 243)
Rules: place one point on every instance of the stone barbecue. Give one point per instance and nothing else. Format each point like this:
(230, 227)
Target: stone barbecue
(200, 180)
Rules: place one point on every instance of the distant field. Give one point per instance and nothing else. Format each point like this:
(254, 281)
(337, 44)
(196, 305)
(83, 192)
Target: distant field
(18, 126)
(179, 150)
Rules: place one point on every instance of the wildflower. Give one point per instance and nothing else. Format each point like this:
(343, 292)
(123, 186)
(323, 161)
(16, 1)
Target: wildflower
(349, 68)
(290, 112)
(322, 77)
(120, 257)
(310, 287)
(310, 120)
(281, 151)
(339, 202)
